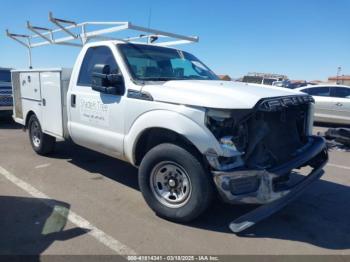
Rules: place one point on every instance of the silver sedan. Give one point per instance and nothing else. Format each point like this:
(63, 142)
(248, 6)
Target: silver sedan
(332, 103)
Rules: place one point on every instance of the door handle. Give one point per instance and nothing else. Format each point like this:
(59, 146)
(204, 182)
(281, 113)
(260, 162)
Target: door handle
(339, 104)
(44, 102)
(73, 100)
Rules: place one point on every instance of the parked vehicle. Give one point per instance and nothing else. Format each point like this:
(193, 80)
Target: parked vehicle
(263, 79)
(289, 84)
(340, 135)
(332, 103)
(6, 100)
(165, 112)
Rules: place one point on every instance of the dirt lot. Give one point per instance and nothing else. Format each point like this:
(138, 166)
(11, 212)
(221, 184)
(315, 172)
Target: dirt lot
(81, 202)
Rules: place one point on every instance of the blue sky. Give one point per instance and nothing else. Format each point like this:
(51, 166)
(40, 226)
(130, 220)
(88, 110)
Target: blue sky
(305, 39)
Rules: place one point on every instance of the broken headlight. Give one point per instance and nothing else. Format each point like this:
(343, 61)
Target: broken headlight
(227, 127)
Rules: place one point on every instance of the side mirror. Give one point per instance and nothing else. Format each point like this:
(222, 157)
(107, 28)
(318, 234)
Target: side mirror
(105, 82)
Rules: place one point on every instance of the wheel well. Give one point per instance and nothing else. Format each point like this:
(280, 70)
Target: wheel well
(29, 115)
(152, 137)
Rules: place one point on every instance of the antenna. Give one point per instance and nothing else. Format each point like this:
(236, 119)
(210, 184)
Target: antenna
(338, 74)
(149, 17)
(150, 39)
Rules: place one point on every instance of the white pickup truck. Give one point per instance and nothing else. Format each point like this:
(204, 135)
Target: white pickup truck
(191, 135)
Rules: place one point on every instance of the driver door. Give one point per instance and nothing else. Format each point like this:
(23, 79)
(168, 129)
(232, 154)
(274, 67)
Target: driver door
(97, 119)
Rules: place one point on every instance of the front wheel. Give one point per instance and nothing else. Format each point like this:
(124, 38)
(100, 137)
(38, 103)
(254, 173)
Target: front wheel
(174, 183)
(42, 143)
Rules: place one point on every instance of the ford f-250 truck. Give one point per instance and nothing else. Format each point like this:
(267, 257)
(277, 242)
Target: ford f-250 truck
(190, 135)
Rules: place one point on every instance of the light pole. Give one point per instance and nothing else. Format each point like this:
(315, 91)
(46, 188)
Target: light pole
(338, 74)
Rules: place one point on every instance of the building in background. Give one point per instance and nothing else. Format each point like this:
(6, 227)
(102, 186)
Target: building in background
(225, 77)
(316, 82)
(340, 80)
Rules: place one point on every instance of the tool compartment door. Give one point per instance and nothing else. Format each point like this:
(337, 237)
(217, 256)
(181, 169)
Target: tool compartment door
(30, 85)
(52, 122)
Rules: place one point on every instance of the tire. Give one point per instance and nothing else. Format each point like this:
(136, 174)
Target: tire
(42, 143)
(175, 169)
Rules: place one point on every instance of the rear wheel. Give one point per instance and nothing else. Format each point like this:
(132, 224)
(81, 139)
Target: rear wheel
(174, 183)
(42, 143)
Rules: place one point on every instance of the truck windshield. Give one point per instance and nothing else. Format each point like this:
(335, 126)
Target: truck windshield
(5, 76)
(154, 63)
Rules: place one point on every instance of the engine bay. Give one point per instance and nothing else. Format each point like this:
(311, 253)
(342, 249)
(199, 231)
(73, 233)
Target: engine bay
(266, 136)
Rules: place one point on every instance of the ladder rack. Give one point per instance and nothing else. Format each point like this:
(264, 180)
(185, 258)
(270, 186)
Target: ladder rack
(75, 34)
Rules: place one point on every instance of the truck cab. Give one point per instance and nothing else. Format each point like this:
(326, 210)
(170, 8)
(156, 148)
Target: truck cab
(140, 68)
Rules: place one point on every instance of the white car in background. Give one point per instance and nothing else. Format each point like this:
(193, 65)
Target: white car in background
(332, 103)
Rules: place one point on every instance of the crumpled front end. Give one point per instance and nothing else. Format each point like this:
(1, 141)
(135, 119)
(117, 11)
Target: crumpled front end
(261, 148)
(267, 185)
(247, 186)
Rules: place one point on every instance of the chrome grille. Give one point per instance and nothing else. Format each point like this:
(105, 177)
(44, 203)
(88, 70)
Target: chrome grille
(5, 92)
(6, 101)
(275, 104)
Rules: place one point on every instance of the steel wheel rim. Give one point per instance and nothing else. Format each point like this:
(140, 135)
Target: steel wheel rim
(36, 133)
(170, 184)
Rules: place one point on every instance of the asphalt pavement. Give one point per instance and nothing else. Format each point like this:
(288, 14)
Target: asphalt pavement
(77, 201)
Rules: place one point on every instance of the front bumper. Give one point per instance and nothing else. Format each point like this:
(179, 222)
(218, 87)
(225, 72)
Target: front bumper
(264, 186)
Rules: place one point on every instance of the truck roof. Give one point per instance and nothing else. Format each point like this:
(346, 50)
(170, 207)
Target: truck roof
(116, 42)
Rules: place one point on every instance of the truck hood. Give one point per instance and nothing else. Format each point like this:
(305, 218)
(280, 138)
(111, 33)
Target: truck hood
(214, 94)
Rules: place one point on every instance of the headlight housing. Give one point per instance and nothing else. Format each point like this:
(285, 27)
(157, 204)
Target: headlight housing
(227, 127)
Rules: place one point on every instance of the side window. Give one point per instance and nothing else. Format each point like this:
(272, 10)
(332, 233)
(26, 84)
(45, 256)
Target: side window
(317, 91)
(93, 56)
(341, 92)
